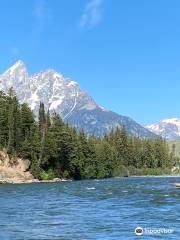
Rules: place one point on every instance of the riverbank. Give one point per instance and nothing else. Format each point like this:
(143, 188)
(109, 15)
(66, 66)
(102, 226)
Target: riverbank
(10, 181)
(15, 181)
(16, 171)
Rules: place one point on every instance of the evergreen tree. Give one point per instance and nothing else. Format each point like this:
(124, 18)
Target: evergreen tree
(58, 150)
(3, 120)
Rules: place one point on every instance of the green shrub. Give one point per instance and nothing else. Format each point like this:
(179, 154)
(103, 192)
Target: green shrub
(121, 171)
(49, 175)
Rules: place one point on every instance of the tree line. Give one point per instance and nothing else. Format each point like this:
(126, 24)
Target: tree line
(57, 149)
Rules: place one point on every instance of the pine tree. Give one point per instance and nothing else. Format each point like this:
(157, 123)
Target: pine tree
(12, 122)
(121, 142)
(42, 118)
(27, 121)
(48, 120)
(3, 120)
(42, 129)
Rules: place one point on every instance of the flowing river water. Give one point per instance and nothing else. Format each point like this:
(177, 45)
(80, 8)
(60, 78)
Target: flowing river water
(91, 209)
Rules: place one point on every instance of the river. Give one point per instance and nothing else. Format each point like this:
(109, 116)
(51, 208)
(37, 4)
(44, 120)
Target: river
(91, 209)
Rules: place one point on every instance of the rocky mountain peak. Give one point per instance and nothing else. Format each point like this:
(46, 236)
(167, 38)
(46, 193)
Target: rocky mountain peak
(167, 128)
(19, 67)
(64, 96)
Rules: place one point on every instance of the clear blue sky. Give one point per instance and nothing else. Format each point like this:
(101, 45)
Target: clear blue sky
(125, 53)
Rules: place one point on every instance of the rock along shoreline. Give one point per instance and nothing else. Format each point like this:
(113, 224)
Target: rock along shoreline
(10, 181)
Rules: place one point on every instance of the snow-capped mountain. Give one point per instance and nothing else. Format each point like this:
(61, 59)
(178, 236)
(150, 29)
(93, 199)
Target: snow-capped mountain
(65, 97)
(167, 128)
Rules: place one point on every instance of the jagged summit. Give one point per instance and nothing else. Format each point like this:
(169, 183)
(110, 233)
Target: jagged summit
(65, 97)
(19, 65)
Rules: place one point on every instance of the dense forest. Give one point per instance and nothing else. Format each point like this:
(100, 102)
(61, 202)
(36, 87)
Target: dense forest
(56, 149)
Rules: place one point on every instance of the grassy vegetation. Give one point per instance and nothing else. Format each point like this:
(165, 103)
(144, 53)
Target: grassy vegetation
(149, 171)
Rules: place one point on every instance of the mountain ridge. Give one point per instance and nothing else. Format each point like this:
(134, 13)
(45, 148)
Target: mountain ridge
(167, 128)
(65, 97)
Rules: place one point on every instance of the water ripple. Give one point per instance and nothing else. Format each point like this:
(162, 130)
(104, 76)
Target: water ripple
(97, 209)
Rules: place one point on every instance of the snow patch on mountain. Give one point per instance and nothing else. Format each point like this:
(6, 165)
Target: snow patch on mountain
(167, 128)
(56, 103)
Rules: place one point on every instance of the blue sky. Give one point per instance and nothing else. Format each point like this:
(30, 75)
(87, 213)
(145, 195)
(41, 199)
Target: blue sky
(126, 54)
